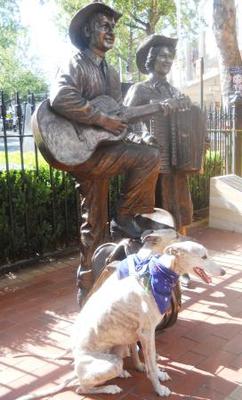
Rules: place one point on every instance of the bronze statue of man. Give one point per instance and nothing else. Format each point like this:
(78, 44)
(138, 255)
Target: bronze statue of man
(154, 58)
(87, 77)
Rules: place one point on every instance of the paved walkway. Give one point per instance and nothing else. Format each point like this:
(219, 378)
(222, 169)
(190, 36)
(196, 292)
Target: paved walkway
(202, 352)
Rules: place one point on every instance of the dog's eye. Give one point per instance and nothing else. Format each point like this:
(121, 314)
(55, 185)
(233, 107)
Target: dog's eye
(204, 257)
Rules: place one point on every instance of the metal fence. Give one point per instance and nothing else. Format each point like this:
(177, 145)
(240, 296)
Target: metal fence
(219, 155)
(39, 208)
(38, 205)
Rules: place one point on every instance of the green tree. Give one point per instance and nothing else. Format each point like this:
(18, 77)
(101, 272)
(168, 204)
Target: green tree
(144, 15)
(14, 77)
(9, 22)
(140, 18)
(16, 68)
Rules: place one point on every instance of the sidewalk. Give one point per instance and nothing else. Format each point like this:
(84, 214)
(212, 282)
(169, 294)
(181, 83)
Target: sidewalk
(202, 352)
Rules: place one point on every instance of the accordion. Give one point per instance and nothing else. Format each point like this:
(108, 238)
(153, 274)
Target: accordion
(181, 138)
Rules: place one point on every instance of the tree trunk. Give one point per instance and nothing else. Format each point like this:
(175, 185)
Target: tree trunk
(224, 27)
(153, 17)
(129, 66)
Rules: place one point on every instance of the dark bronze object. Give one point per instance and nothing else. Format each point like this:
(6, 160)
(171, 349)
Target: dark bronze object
(66, 144)
(179, 131)
(75, 103)
(182, 140)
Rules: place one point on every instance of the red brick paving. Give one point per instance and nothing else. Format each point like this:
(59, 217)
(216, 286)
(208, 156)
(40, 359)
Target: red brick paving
(202, 352)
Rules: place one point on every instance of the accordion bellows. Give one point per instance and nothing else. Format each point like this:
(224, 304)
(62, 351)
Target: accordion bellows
(181, 139)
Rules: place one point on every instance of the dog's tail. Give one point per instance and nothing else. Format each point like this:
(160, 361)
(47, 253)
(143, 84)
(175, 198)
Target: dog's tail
(63, 356)
(49, 392)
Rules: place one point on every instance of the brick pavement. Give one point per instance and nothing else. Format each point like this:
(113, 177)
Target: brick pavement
(202, 352)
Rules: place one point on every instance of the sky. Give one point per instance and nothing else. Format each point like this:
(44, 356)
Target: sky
(46, 42)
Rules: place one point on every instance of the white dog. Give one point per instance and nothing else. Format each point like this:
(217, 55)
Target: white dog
(124, 311)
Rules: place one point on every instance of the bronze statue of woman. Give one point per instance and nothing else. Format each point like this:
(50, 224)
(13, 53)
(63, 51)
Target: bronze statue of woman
(154, 58)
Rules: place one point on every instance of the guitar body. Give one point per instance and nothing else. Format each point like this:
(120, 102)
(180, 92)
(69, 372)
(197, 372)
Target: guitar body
(66, 144)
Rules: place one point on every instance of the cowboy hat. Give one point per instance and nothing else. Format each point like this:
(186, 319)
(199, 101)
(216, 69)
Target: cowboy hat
(78, 21)
(144, 48)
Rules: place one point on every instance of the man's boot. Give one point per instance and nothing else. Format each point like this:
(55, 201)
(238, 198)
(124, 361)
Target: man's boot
(125, 226)
(84, 284)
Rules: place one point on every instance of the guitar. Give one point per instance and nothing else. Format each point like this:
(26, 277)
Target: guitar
(66, 144)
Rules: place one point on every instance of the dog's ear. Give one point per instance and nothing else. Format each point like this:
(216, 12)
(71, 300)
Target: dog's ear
(171, 250)
(119, 252)
(146, 234)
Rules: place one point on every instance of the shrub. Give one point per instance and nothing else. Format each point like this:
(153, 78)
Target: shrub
(213, 165)
(37, 212)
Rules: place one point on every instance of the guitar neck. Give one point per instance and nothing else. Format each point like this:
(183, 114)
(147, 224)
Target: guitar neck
(137, 113)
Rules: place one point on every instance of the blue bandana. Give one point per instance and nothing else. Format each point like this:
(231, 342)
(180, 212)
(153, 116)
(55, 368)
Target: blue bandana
(160, 279)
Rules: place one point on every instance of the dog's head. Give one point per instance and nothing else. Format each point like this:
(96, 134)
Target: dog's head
(192, 258)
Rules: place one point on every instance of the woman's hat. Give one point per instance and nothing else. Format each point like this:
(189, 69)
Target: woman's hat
(76, 32)
(144, 48)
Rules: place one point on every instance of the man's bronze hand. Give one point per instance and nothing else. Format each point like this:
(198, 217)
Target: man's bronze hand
(111, 124)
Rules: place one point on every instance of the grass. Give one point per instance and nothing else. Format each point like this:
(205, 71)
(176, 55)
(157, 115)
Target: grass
(14, 160)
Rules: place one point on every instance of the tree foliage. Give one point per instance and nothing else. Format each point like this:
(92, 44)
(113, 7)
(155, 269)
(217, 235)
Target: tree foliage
(9, 22)
(140, 18)
(145, 14)
(15, 75)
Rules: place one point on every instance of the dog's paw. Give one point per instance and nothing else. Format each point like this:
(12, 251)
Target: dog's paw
(140, 367)
(80, 390)
(163, 376)
(112, 389)
(163, 391)
(107, 389)
(125, 374)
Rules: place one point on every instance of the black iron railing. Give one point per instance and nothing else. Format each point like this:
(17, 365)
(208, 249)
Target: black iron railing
(38, 204)
(218, 157)
(39, 207)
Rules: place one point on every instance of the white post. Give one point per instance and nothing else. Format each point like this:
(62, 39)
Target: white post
(233, 137)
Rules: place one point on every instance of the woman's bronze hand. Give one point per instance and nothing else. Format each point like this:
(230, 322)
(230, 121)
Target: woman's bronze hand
(184, 102)
(169, 105)
(180, 103)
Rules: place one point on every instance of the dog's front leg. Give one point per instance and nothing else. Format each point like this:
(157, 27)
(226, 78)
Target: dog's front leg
(138, 365)
(147, 339)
